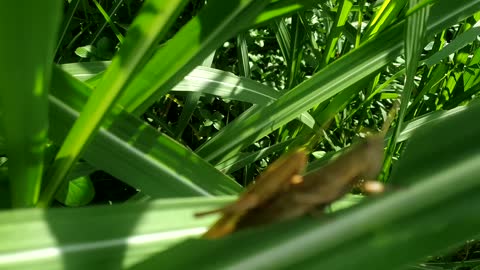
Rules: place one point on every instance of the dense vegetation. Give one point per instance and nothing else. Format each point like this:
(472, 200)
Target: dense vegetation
(167, 108)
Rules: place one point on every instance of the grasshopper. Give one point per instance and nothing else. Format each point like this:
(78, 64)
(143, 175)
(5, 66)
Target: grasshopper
(282, 193)
(276, 179)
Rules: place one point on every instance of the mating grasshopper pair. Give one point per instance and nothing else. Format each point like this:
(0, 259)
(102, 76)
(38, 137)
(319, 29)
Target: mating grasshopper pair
(281, 192)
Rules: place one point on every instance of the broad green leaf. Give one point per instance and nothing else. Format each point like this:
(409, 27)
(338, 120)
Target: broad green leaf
(226, 85)
(83, 71)
(134, 152)
(76, 192)
(110, 237)
(206, 80)
(409, 127)
(106, 237)
(3, 145)
(26, 50)
(148, 28)
(203, 80)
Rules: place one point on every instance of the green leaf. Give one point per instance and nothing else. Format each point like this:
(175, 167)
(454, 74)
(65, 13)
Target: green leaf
(334, 35)
(85, 51)
(414, 44)
(206, 81)
(202, 80)
(26, 50)
(333, 79)
(323, 85)
(459, 42)
(149, 26)
(134, 152)
(217, 22)
(283, 8)
(76, 192)
(439, 173)
(109, 21)
(384, 17)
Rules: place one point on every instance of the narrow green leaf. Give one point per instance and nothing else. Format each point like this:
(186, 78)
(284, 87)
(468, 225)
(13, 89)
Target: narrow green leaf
(283, 38)
(109, 21)
(334, 78)
(190, 103)
(335, 33)
(323, 85)
(388, 13)
(135, 152)
(242, 55)
(26, 50)
(217, 22)
(203, 80)
(296, 51)
(67, 19)
(414, 43)
(459, 42)
(440, 175)
(76, 192)
(150, 26)
(188, 109)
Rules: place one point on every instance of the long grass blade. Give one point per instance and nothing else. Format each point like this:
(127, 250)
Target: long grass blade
(150, 26)
(334, 78)
(26, 50)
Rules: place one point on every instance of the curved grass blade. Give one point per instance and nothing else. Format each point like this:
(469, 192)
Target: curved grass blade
(414, 43)
(217, 22)
(207, 81)
(334, 78)
(459, 42)
(150, 26)
(134, 152)
(323, 85)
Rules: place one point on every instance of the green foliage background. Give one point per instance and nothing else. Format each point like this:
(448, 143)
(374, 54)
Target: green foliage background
(167, 108)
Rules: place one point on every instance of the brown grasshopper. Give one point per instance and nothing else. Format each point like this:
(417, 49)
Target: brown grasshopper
(282, 193)
(277, 178)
